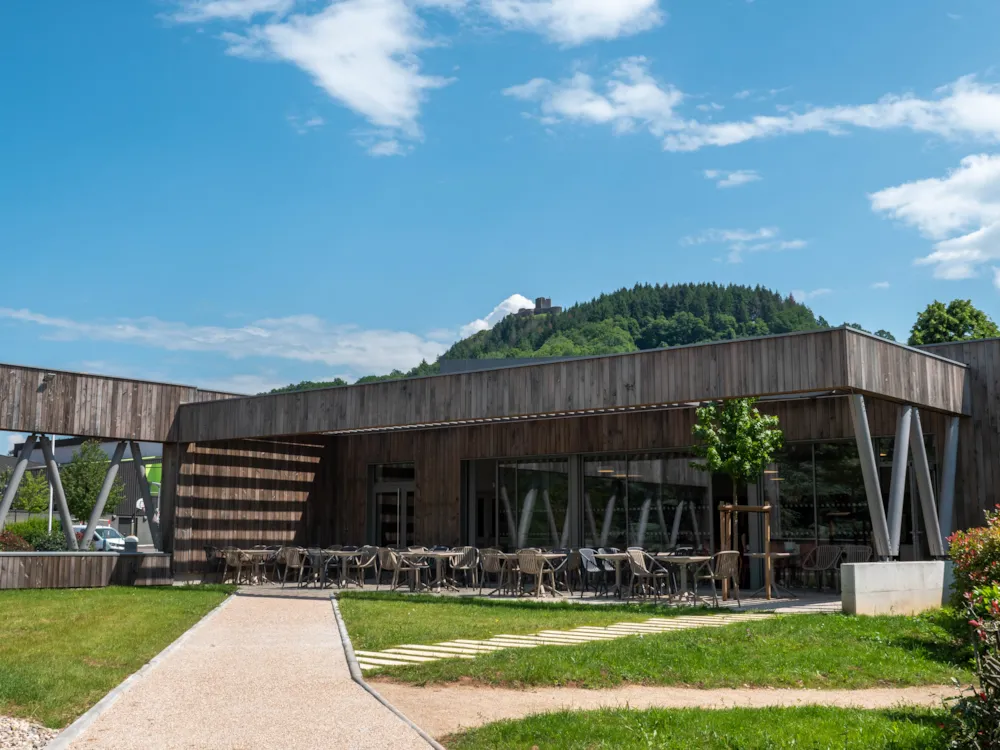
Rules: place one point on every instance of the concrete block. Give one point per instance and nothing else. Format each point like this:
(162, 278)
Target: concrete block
(901, 588)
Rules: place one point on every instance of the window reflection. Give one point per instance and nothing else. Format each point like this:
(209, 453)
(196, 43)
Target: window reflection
(533, 506)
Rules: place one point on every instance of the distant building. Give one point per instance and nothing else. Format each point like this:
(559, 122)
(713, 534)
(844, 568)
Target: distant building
(543, 306)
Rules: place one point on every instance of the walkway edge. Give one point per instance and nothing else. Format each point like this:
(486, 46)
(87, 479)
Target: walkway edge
(352, 665)
(70, 734)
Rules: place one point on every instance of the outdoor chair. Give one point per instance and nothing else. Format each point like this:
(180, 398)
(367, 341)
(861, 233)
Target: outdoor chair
(292, 557)
(492, 562)
(724, 566)
(590, 566)
(389, 561)
(649, 574)
(214, 561)
(313, 570)
(822, 560)
(531, 563)
(468, 563)
(238, 566)
(567, 567)
(366, 559)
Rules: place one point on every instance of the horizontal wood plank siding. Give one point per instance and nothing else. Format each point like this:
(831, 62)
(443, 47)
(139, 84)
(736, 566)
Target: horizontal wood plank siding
(91, 405)
(835, 359)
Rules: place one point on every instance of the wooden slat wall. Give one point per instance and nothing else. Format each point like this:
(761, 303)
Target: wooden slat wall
(238, 498)
(978, 476)
(91, 405)
(87, 570)
(794, 363)
(245, 492)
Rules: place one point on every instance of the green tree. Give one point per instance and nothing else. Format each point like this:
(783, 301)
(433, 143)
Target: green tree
(32, 494)
(735, 439)
(82, 478)
(958, 321)
(884, 334)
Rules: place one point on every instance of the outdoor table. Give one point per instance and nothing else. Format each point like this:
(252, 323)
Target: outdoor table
(684, 562)
(343, 555)
(439, 557)
(617, 558)
(769, 582)
(257, 559)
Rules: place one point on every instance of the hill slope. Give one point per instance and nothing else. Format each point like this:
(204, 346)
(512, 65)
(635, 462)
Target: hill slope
(643, 317)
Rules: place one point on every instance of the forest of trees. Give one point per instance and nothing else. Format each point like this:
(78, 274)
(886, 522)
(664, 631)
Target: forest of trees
(650, 316)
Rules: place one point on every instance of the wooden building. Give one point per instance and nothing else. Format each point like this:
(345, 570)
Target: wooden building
(591, 450)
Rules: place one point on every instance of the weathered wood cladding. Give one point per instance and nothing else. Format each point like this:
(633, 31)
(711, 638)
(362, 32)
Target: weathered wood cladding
(67, 403)
(794, 363)
(978, 476)
(246, 492)
(73, 570)
(230, 492)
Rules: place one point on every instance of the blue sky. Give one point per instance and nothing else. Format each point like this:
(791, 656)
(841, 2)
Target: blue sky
(243, 193)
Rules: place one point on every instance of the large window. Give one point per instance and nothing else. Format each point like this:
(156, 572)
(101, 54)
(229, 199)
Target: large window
(655, 501)
(533, 503)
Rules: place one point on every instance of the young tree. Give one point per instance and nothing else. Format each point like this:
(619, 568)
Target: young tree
(959, 320)
(33, 494)
(82, 478)
(735, 439)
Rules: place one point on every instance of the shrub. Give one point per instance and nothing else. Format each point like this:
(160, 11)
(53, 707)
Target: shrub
(13, 543)
(54, 542)
(976, 555)
(976, 713)
(35, 531)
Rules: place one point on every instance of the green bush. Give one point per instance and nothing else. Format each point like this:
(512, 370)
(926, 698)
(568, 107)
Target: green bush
(976, 554)
(13, 543)
(35, 531)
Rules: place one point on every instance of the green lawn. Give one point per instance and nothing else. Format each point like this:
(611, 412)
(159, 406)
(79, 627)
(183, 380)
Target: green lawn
(815, 651)
(62, 650)
(692, 729)
(377, 621)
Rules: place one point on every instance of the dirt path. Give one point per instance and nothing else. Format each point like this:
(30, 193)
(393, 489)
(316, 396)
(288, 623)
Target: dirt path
(441, 710)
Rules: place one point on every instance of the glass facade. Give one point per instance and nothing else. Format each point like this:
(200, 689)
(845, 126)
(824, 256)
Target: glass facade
(533, 503)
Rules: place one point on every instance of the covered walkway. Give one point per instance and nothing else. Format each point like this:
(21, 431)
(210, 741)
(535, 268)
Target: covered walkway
(264, 672)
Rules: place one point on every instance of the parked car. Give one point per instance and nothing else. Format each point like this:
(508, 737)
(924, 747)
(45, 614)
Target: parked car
(106, 538)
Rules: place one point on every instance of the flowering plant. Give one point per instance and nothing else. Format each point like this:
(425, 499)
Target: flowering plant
(976, 556)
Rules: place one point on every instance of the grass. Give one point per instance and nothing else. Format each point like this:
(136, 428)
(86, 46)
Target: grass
(377, 621)
(814, 651)
(810, 727)
(62, 650)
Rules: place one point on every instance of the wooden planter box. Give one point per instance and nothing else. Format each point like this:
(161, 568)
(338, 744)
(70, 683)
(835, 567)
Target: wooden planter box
(73, 570)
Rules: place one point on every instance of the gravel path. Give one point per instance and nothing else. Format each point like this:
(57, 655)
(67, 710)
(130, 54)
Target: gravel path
(17, 734)
(442, 710)
(265, 672)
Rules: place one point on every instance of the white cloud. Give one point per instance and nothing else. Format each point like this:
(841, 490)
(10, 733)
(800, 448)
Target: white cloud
(572, 22)
(363, 53)
(13, 438)
(880, 285)
(390, 147)
(299, 338)
(800, 295)
(630, 95)
(710, 107)
(740, 241)
(745, 94)
(726, 179)
(198, 11)
(510, 305)
(303, 125)
(960, 212)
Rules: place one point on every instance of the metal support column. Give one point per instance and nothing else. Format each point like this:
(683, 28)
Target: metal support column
(897, 486)
(147, 497)
(59, 495)
(924, 487)
(869, 471)
(15, 478)
(102, 498)
(946, 501)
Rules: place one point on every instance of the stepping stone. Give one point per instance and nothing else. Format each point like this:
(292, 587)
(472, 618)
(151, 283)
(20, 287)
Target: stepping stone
(370, 662)
(440, 649)
(479, 646)
(368, 655)
(426, 655)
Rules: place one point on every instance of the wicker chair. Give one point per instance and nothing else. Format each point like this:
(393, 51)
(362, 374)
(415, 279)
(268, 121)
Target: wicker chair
(646, 572)
(492, 562)
(237, 565)
(468, 563)
(567, 567)
(366, 559)
(294, 561)
(531, 563)
(822, 560)
(389, 561)
(725, 566)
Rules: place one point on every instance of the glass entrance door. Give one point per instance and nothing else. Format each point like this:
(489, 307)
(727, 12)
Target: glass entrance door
(394, 516)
